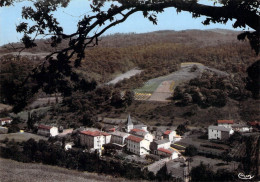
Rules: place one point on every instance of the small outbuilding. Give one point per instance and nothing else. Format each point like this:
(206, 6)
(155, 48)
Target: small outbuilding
(47, 130)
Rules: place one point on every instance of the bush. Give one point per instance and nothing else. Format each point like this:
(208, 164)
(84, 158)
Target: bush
(191, 151)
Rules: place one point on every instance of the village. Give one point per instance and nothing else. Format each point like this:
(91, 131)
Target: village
(153, 148)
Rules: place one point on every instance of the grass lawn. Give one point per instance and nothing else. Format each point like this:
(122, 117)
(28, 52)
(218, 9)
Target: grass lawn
(20, 137)
(30, 172)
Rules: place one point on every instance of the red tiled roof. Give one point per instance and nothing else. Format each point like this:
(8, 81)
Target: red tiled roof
(44, 127)
(5, 119)
(94, 133)
(254, 123)
(137, 130)
(165, 150)
(225, 121)
(104, 134)
(112, 129)
(134, 138)
(167, 132)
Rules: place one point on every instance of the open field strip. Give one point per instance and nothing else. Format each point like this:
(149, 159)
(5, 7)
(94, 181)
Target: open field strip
(142, 96)
(190, 63)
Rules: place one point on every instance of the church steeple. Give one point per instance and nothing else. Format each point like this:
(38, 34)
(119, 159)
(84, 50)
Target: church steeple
(129, 125)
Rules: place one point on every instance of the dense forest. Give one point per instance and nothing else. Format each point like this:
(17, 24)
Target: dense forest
(157, 54)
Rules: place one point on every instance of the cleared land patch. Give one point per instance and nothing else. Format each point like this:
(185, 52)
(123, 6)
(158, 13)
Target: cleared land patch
(161, 88)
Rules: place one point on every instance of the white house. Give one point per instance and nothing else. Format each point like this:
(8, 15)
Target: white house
(169, 134)
(226, 123)
(137, 145)
(119, 137)
(94, 139)
(219, 132)
(5, 121)
(168, 153)
(143, 134)
(164, 143)
(47, 130)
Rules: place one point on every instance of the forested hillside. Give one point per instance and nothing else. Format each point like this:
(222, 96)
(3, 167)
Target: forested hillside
(157, 54)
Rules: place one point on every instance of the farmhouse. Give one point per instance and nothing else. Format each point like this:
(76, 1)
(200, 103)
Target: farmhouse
(5, 121)
(47, 130)
(219, 132)
(94, 139)
(119, 137)
(169, 134)
(143, 134)
(155, 145)
(226, 123)
(137, 145)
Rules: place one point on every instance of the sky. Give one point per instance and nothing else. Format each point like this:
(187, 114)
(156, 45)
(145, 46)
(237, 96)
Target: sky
(69, 16)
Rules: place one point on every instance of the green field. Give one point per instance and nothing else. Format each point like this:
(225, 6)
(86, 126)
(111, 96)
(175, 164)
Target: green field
(149, 87)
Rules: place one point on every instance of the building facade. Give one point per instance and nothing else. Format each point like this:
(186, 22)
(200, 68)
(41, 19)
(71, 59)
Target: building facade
(119, 137)
(94, 139)
(155, 145)
(169, 134)
(137, 145)
(142, 133)
(219, 132)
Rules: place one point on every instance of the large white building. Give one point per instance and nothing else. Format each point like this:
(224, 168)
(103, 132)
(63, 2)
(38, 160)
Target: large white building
(119, 137)
(47, 130)
(94, 139)
(137, 145)
(219, 132)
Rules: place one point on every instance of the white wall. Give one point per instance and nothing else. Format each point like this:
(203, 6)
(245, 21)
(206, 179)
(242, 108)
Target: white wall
(214, 134)
(54, 131)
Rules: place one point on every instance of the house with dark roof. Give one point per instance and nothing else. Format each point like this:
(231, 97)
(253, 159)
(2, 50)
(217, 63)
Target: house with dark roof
(137, 145)
(142, 133)
(119, 137)
(94, 139)
(226, 123)
(219, 132)
(47, 130)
